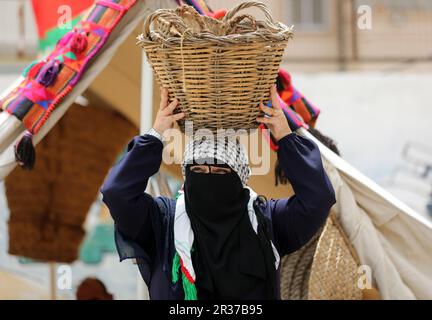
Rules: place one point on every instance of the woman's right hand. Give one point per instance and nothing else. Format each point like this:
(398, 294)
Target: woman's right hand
(165, 118)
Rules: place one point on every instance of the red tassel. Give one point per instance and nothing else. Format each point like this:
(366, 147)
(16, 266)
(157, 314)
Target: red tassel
(78, 42)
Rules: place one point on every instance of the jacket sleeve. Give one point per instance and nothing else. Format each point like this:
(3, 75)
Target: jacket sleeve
(124, 190)
(295, 220)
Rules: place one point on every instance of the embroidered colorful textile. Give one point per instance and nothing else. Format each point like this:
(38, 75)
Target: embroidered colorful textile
(299, 112)
(34, 99)
(47, 82)
(295, 99)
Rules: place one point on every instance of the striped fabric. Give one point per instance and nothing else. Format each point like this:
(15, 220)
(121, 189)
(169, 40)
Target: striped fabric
(295, 100)
(299, 112)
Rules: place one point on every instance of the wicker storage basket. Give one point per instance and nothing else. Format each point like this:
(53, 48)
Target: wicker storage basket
(324, 269)
(333, 273)
(219, 70)
(296, 269)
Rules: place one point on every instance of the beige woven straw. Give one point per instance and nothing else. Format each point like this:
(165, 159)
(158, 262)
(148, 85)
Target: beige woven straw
(219, 70)
(296, 269)
(325, 268)
(334, 269)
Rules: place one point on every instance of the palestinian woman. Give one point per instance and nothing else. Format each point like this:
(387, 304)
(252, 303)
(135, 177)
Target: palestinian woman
(218, 239)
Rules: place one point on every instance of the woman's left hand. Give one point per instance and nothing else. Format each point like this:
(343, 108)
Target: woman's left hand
(276, 120)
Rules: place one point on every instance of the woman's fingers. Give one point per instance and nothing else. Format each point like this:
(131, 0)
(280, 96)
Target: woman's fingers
(265, 120)
(170, 108)
(164, 98)
(177, 116)
(267, 110)
(274, 97)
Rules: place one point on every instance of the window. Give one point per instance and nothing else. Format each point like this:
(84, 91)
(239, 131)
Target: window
(307, 15)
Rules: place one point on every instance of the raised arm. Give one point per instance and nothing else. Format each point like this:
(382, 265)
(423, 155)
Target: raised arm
(295, 220)
(124, 189)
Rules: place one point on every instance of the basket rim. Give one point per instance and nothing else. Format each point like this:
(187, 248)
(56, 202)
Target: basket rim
(206, 37)
(268, 29)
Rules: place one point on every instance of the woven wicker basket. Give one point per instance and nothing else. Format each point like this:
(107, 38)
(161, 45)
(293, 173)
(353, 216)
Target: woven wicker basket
(324, 269)
(219, 70)
(296, 269)
(333, 273)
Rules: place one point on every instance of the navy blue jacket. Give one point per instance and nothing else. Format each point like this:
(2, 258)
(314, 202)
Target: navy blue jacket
(144, 224)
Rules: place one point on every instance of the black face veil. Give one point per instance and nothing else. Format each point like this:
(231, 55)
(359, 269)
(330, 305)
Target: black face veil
(230, 259)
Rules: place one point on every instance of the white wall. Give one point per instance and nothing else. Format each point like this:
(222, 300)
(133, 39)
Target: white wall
(9, 27)
(371, 115)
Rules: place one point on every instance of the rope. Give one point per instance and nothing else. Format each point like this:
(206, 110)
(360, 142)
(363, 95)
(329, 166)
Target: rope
(182, 58)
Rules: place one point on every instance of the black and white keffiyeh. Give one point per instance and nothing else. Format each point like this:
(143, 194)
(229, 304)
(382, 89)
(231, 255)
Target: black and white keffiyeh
(226, 150)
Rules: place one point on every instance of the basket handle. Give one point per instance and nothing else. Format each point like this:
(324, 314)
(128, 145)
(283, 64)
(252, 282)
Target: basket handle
(175, 18)
(232, 23)
(167, 14)
(185, 9)
(252, 4)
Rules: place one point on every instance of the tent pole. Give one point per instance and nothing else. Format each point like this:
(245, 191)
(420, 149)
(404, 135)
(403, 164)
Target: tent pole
(146, 109)
(53, 291)
(146, 117)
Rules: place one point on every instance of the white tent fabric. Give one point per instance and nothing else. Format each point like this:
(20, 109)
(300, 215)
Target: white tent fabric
(389, 237)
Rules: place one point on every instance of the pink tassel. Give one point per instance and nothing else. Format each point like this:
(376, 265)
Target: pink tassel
(78, 42)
